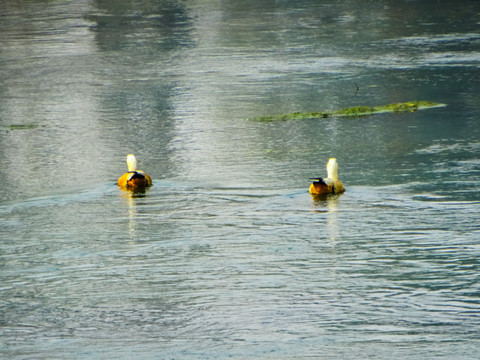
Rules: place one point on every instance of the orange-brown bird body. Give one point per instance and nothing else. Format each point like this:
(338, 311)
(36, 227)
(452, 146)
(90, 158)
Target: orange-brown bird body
(134, 179)
(330, 185)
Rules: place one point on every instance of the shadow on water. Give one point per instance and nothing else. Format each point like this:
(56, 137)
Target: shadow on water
(161, 26)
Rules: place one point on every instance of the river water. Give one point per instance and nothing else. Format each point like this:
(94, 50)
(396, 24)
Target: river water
(227, 255)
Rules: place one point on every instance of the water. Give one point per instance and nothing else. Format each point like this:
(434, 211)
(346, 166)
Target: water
(227, 255)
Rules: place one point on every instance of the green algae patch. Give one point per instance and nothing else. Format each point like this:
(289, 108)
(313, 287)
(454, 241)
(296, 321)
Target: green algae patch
(22, 126)
(408, 106)
(355, 111)
(294, 116)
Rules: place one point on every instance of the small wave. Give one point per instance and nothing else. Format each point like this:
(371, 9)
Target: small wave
(439, 39)
(453, 148)
(60, 199)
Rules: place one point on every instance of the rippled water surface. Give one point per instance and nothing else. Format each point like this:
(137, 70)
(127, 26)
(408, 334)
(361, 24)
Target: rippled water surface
(227, 255)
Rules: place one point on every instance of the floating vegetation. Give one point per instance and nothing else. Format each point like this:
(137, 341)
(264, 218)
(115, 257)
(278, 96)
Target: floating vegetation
(22, 126)
(355, 111)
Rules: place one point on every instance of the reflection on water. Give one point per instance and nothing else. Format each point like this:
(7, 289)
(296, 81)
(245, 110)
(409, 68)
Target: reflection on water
(228, 255)
(328, 204)
(131, 198)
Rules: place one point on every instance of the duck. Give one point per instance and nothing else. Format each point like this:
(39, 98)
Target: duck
(330, 185)
(134, 179)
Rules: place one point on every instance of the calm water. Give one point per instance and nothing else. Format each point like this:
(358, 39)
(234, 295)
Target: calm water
(227, 255)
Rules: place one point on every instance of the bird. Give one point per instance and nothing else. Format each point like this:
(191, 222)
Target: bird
(134, 179)
(330, 185)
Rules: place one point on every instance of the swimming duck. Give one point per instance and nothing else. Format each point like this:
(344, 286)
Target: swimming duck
(330, 185)
(134, 179)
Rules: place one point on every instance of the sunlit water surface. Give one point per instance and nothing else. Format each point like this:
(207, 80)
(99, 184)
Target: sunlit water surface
(227, 255)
